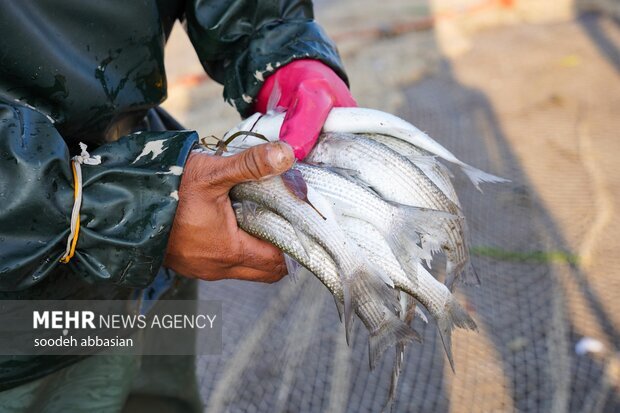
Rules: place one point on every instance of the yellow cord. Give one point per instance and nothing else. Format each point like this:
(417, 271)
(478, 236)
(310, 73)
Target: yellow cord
(66, 258)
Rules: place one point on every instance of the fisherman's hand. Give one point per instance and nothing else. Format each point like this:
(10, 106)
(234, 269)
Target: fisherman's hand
(205, 241)
(308, 91)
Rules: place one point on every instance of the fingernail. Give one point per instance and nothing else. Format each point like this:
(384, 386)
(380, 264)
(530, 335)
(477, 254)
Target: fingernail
(281, 156)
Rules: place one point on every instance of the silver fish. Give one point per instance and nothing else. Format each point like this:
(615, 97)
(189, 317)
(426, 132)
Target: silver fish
(432, 168)
(395, 178)
(384, 327)
(362, 120)
(272, 193)
(401, 225)
(368, 121)
(433, 295)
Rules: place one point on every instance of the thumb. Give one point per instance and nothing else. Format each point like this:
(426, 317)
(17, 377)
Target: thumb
(257, 162)
(304, 121)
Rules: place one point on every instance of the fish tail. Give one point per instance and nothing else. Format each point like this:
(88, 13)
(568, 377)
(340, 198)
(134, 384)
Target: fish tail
(430, 246)
(476, 176)
(453, 316)
(393, 331)
(365, 282)
(368, 289)
(413, 225)
(408, 310)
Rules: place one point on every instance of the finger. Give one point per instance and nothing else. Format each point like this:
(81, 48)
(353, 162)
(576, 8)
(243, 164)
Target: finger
(253, 164)
(338, 89)
(344, 99)
(341, 95)
(259, 254)
(304, 121)
(261, 261)
(252, 274)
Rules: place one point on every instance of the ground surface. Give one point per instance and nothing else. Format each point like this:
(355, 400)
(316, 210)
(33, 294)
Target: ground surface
(538, 104)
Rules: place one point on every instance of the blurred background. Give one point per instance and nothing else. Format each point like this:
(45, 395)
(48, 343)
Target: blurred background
(525, 89)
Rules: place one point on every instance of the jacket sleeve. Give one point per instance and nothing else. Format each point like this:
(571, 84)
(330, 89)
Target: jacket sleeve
(241, 42)
(129, 202)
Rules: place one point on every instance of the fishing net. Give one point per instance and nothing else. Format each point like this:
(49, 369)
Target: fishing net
(544, 246)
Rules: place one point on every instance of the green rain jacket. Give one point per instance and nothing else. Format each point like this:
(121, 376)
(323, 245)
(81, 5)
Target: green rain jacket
(89, 71)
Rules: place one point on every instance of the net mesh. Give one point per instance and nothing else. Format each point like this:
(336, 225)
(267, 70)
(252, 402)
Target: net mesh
(548, 280)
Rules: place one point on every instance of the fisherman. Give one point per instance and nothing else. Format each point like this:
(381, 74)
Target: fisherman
(119, 214)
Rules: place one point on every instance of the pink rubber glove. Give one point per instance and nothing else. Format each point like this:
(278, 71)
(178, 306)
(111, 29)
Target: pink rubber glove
(309, 90)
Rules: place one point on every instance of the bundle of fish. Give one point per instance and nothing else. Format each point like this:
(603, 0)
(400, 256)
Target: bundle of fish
(366, 212)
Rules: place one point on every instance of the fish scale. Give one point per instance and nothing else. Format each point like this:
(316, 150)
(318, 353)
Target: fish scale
(371, 213)
(403, 225)
(385, 328)
(271, 227)
(350, 151)
(362, 202)
(271, 193)
(432, 294)
(432, 168)
(365, 121)
(395, 178)
(353, 269)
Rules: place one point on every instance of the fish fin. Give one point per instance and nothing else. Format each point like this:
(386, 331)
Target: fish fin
(444, 169)
(453, 316)
(369, 281)
(465, 274)
(348, 311)
(339, 307)
(431, 162)
(372, 280)
(295, 183)
(410, 308)
(405, 304)
(292, 266)
(424, 160)
(381, 274)
(304, 240)
(477, 176)
(422, 221)
(304, 272)
(398, 361)
(393, 331)
(274, 98)
(383, 292)
(321, 205)
(470, 275)
(430, 246)
(412, 225)
(424, 254)
(418, 312)
(352, 175)
(439, 175)
(248, 210)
